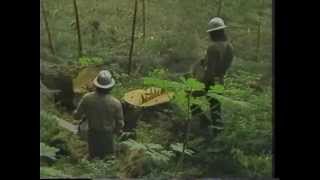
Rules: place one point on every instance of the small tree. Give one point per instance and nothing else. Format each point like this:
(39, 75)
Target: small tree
(132, 35)
(78, 27)
(143, 20)
(183, 98)
(46, 24)
(259, 31)
(220, 5)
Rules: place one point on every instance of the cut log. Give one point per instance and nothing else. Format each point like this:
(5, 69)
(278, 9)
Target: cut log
(67, 125)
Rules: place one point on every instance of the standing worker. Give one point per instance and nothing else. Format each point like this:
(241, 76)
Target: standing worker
(104, 114)
(214, 66)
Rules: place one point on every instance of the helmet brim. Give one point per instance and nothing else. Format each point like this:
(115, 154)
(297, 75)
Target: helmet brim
(215, 29)
(108, 86)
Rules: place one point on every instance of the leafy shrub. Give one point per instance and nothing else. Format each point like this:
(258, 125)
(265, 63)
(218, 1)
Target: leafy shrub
(86, 61)
(50, 172)
(255, 165)
(97, 168)
(47, 151)
(245, 117)
(244, 147)
(48, 127)
(153, 133)
(178, 147)
(141, 159)
(52, 135)
(155, 152)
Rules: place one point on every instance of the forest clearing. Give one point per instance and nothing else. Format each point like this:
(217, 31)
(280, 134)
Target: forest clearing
(150, 48)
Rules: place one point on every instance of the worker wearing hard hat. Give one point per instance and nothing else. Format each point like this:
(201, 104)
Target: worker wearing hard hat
(212, 69)
(104, 114)
(219, 53)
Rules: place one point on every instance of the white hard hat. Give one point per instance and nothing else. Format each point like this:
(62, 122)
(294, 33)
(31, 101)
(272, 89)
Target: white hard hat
(216, 24)
(104, 80)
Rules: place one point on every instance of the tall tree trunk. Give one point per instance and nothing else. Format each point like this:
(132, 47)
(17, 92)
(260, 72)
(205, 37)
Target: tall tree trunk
(239, 6)
(220, 5)
(132, 35)
(258, 47)
(259, 32)
(46, 24)
(143, 20)
(78, 28)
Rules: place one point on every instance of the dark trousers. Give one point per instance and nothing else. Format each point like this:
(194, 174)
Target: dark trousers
(100, 143)
(215, 111)
(214, 104)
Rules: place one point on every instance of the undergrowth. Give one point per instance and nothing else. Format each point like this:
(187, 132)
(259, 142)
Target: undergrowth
(159, 151)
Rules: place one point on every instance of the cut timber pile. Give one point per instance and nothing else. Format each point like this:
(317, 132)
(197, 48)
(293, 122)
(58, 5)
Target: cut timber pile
(83, 82)
(149, 97)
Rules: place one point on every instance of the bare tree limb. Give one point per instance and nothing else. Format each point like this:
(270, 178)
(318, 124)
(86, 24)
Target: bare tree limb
(78, 27)
(143, 20)
(132, 35)
(44, 15)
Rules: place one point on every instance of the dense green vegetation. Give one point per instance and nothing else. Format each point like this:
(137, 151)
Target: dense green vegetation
(175, 39)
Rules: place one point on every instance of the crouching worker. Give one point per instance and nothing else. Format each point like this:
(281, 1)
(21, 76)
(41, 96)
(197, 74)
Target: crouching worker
(104, 114)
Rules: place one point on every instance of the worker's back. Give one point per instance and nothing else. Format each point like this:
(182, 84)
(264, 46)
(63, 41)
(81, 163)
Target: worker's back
(104, 114)
(102, 111)
(219, 58)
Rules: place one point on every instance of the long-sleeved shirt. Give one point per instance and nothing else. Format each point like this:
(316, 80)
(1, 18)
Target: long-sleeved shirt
(103, 112)
(218, 59)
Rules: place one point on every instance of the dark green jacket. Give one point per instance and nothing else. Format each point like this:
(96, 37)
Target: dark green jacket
(103, 112)
(216, 63)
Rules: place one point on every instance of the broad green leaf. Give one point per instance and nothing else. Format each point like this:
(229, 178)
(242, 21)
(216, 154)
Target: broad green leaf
(154, 146)
(181, 100)
(218, 89)
(165, 84)
(194, 84)
(134, 145)
(85, 61)
(227, 100)
(179, 148)
(202, 102)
